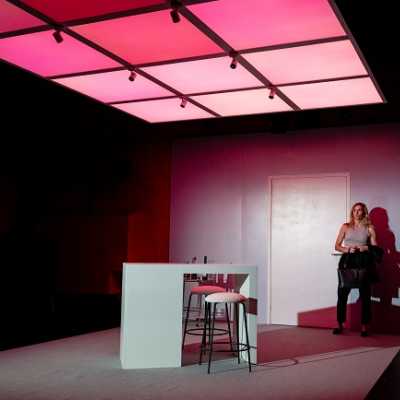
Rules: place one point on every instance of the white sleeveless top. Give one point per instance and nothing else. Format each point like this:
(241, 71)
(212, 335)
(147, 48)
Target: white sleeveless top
(357, 236)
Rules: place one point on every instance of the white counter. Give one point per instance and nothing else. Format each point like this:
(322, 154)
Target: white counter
(152, 304)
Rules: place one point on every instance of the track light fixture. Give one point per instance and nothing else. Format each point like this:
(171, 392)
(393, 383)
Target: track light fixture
(183, 102)
(132, 75)
(175, 5)
(57, 36)
(234, 55)
(272, 92)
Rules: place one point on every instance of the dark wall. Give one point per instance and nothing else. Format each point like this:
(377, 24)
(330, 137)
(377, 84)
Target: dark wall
(75, 179)
(149, 225)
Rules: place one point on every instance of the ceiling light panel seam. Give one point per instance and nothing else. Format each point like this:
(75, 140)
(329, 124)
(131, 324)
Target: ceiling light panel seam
(186, 95)
(290, 45)
(341, 78)
(113, 103)
(25, 31)
(141, 65)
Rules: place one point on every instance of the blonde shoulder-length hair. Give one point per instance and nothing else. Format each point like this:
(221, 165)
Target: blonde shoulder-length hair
(365, 219)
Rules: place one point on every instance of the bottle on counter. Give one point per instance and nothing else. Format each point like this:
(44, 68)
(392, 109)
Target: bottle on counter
(194, 260)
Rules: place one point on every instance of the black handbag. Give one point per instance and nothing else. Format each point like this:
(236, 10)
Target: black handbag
(350, 273)
(352, 277)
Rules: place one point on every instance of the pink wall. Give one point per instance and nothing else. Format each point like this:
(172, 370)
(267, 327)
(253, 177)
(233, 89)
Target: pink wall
(219, 193)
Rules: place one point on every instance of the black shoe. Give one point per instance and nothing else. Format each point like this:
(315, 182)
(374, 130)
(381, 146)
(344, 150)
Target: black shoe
(337, 331)
(364, 334)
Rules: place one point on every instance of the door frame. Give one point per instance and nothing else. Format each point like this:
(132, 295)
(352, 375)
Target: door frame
(269, 219)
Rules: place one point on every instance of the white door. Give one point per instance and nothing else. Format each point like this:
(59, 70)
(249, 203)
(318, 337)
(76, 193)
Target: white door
(305, 216)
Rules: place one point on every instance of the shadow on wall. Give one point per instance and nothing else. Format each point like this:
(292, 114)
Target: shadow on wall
(386, 311)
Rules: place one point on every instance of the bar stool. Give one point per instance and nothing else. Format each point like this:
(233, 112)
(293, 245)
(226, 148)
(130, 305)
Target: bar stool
(204, 290)
(227, 298)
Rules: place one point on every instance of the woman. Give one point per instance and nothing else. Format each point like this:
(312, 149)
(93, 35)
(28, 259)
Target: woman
(354, 237)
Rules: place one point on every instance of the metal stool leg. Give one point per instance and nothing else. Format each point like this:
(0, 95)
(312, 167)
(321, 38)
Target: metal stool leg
(209, 325)
(203, 339)
(229, 326)
(236, 306)
(200, 306)
(212, 336)
(247, 336)
(186, 320)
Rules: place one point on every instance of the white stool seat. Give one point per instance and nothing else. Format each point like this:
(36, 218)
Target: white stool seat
(207, 289)
(211, 302)
(225, 297)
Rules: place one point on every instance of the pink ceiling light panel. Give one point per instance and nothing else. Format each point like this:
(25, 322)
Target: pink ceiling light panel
(66, 10)
(282, 41)
(40, 53)
(13, 18)
(307, 63)
(114, 86)
(163, 110)
(258, 23)
(204, 75)
(242, 102)
(149, 37)
(333, 94)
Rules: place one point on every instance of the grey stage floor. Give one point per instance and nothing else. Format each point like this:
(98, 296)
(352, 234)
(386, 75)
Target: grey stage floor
(294, 363)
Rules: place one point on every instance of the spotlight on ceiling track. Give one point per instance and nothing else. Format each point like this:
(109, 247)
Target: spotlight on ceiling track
(57, 36)
(132, 75)
(233, 55)
(272, 92)
(183, 102)
(175, 5)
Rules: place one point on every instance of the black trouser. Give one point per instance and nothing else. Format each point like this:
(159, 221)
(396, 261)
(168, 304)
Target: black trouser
(365, 295)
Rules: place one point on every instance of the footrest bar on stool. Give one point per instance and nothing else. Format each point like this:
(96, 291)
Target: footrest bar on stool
(234, 345)
(221, 332)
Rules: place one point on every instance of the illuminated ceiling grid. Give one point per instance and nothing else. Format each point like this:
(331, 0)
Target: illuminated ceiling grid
(289, 54)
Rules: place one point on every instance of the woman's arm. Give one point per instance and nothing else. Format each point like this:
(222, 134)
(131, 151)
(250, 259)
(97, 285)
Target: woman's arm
(372, 236)
(339, 240)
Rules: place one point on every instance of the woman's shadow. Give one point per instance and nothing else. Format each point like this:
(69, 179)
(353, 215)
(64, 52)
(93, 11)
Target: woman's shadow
(386, 292)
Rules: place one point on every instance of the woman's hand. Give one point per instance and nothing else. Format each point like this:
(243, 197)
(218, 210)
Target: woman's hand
(362, 248)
